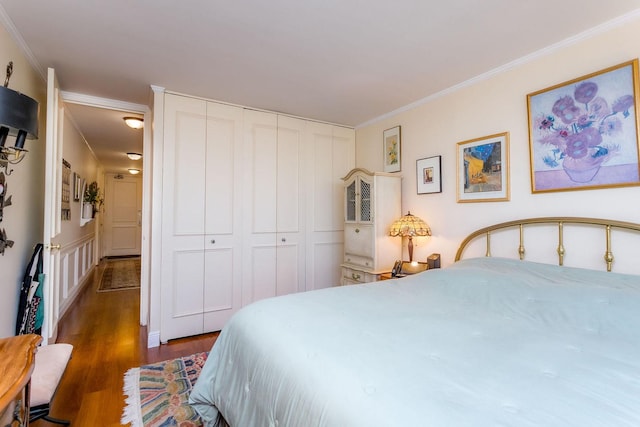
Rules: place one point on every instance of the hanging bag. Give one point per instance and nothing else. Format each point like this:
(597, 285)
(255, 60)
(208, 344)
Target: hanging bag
(31, 310)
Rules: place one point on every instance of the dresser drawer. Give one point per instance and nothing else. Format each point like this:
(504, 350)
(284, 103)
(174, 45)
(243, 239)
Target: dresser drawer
(358, 260)
(351, 276)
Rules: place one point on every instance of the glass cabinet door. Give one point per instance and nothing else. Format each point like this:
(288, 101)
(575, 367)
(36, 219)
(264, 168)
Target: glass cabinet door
(351, 202)
(365, 201)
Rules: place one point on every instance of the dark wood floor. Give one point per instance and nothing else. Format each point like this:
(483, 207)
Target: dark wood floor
(108, 340)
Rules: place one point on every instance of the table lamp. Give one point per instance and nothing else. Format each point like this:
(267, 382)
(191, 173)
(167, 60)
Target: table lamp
(409, 226)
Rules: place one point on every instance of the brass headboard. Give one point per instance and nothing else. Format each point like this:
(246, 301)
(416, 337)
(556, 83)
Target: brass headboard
(607, 225)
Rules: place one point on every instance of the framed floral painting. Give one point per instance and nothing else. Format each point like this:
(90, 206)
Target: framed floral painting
(583, 134)
(483, 169)
(391, 148)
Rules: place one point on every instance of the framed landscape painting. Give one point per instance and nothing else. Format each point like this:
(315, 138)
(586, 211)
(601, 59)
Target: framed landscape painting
(583, 134)
(483, 169)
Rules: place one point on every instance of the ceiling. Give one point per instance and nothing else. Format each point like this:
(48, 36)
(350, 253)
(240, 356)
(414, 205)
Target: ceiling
(340, 61)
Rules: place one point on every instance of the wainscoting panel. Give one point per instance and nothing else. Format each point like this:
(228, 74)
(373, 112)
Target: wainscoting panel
(77, 262)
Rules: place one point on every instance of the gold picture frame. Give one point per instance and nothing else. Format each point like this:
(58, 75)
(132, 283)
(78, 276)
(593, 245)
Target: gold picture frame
(391, 145)
(483, 169)
(583, 133)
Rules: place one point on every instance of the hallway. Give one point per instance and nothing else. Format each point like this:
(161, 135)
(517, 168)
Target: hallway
(108, 340)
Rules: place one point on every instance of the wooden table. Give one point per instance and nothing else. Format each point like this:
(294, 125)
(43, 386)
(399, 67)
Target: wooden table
(17, 358)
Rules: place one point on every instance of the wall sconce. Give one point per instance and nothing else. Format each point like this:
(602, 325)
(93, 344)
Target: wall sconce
(134, 122)
(134, 156)
(409, 226)
(19, 118)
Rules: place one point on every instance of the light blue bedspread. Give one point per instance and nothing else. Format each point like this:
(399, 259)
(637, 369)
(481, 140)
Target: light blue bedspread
(485, 342)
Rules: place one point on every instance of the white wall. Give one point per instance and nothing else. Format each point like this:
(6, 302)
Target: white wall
(23, 220)
(83, 162)
(492, 104)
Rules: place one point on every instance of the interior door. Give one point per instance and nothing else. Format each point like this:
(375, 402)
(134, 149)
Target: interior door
(52, 206)
(122, 215)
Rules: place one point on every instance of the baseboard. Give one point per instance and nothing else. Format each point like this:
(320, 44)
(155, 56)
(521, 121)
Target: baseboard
(153, 339)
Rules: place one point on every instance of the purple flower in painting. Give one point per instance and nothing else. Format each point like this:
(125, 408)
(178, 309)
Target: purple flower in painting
(584, 121)
(578, 144)
(566, 109)
(611, 126)
(585, 118)
(599, 108)
(622, 105)
(585, 92)
(544, 122)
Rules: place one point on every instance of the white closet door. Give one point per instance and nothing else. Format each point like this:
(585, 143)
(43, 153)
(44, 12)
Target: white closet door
(260, 225)
(183, 214)
(290, 186)
(223, 226)
(331, 155)
(274, 208)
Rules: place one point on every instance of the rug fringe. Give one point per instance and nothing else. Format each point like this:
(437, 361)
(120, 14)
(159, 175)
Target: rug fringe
(131, 412)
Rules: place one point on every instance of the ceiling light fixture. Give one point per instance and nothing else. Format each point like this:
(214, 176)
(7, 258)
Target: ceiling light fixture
(134, 156)
(134, 122)
(134, 171)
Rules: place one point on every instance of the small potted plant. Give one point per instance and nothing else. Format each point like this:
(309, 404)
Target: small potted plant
(93, 198)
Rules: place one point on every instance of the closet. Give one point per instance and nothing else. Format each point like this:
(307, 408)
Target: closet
(274, 205)
(251, 209)
(201, 231)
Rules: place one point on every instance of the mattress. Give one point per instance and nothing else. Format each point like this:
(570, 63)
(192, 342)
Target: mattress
(484, 342)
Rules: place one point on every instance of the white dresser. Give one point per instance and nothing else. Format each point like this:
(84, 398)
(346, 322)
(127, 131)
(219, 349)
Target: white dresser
(372, 203)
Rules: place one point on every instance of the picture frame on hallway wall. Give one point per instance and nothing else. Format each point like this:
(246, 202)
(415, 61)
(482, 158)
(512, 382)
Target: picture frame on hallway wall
(483, 169)
(391, 145)
(76, 187)
(583, 133)
(429, 175)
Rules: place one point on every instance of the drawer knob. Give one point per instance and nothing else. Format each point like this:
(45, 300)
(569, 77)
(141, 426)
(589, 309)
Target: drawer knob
(213, 241)
(355, 276)
(357, 230)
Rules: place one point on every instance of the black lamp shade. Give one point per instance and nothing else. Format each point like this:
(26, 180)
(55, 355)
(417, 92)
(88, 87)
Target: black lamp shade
(18, 112)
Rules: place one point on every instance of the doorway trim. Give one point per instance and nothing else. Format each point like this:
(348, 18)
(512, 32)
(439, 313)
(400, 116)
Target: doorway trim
(129, 107)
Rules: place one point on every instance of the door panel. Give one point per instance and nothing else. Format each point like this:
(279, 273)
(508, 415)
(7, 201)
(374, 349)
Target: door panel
(52, 204)
(122, 215)
(332, 156)
(201, 266)
(183, 217)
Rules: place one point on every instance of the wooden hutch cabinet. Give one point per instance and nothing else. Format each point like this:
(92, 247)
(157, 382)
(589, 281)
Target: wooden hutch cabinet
(372, 203)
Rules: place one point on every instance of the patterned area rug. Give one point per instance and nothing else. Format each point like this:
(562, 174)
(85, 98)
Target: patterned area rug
(157, 394)
(120, 274)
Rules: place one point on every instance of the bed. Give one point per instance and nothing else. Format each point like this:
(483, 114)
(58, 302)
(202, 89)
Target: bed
(487, 341)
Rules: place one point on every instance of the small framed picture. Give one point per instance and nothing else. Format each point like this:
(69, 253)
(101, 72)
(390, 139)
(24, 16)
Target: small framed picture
(483, 169)
(76, 187)
(391, 148)
(429, 175)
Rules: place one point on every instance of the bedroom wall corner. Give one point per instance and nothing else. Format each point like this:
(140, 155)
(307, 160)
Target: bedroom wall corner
(23, 220)
(490, 104)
